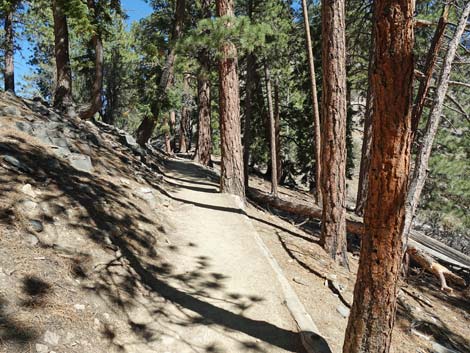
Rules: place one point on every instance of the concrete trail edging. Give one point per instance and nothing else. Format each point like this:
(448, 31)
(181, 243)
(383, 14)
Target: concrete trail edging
(312, 340)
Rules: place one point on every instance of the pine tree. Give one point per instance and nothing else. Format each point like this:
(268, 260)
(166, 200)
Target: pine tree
(231, 176)
(373, 311)
(333, 152)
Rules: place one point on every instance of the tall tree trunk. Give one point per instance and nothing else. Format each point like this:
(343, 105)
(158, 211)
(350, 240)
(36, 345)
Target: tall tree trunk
(249, 92)
(277, 129)
(316, 113)
(145, 129)
(96, 102)
(184, 122)
(333, 152)
(172, 129)
(183, 129)
(168, 147)
(272, 131)
(204, 136)
(231, 177)
(363, 185)
(431, 59)
(63, 90)
(373, 311)
(422, 159)
(9, 73)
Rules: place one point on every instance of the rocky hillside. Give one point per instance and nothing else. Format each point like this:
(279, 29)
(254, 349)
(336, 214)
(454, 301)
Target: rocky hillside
(74, 197)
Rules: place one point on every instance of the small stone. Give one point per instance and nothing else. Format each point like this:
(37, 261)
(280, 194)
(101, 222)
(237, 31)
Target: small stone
(27, 206)
(42, 348)
(343, 310)
(81, 162)
(31, 239)
(16, 163)
(25, 127)
(52, 338)
(36, 225)
(10, 110)
(61, 152)
(69, 337)
(438, 348)
(28, 190)
(79, 307)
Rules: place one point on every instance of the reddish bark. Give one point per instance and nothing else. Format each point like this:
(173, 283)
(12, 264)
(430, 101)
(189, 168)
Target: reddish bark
(333, 151)
(316, 113)
(9, 73)
(96, 101)
(232, 177)
(272, 132)
(373, 311)
(63, 90)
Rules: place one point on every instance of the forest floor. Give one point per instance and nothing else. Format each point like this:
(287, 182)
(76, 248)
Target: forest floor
(105, 248)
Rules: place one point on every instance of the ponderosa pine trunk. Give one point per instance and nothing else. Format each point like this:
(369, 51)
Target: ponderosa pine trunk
(277, 129)
(146, 127)
(363, 184)
(183, 133)
(231, 177)
(63, 91)
(97, 87)
(316, 113)
(168, 147)
(249, 92)
(420, 170)
(9, 73)
(373, 311)
(272, 131)
(333, 151)
(184, 122)
(204, 134)
(431, 59)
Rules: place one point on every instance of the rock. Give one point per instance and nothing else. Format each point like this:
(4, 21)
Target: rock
(69, 337)
(42, 348)
(31, 239)
(128, 140)
(30, 118)
(54, 116)
(28, 190)
(25, 127)
(51, 338)
(36, 225)
(343, 310)
(79, 307)
(27, 207)
(61, 152)
(146, 194)
(60, 142)
(438, 348)
(10, 110)
(16, 163)
(81, 162)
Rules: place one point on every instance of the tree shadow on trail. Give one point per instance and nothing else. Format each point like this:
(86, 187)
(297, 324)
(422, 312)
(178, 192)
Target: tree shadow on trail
(138, 269)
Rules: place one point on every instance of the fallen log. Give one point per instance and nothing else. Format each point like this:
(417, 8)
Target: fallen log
(354, 225)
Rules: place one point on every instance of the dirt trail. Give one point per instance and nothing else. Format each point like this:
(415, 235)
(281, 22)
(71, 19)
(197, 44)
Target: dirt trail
(226, 294)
